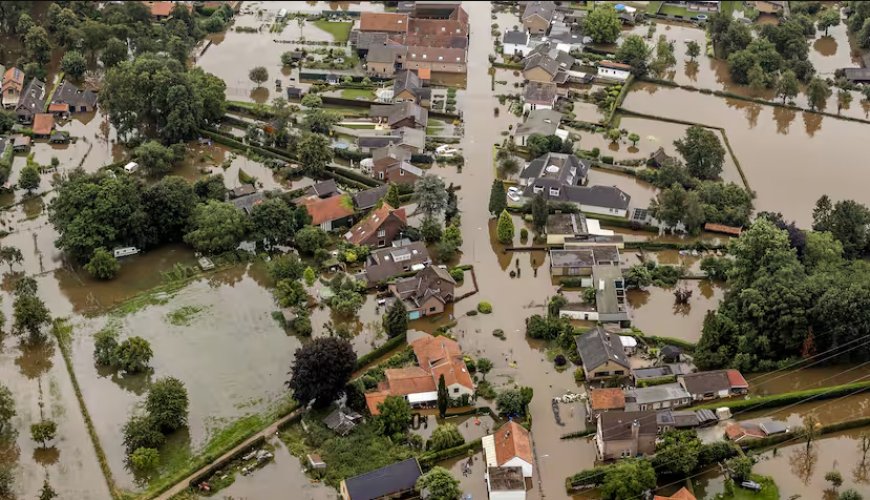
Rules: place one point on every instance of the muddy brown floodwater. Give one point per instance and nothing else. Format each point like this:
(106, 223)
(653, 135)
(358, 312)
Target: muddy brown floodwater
(774, 146)
(655, 311)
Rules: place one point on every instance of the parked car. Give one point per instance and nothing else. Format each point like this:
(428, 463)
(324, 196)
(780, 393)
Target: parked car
(750, 485)
(446, 150)
(514, 193)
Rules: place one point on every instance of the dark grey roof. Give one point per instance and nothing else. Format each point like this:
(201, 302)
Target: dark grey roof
(657, 393)
(365, 40)
(567, 224)
(247, 202)
(771, 427)
(323, 189)
(665, 418)
(342, 420)
(540, 93)
(653, 372)
(706, 416)
(857, 74)
(383, 264)
(243, 190)
(515, 37)
(706, 382)
(395, 113)
(548, 57)
(383, 53)
(506, 479)
(408, 80)
(584, 256)
(67, 93)
(394, 478)
(565, 168)
(599, 196)
(616, 425)
(670, 351)
(540, 121)
(376, 141)
(544, 10)
(33, 97)
(364, 200)
(597, 347)
(686, 419)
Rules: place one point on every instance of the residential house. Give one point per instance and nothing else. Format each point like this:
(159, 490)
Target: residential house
(614, 70)
(623, 434)
(670, 354)
(436, 357)
(380, 228)
(546, 63)
(564, 36)
(383, 22)
(580, 261)
(657, 397)
(505, 483)
(243, 190)
(515, 42)
(409, 87)
(412, 140)
(393, 481)
(539, 95)
(659, 158)
(323, 189)
(329, 213)
(681, 494)
(714, 384)
(574, 229)
(247, 202)
(342, 421)
(403, 114)
(390, 164)
(12, 86)
(553, 171)
(401, 257)
(743, 431)
(540, 122)
(641, 375)
(20, 143)
(602, 355)
(604, 200)
(163, 10)
(445, 33)
(75, 99)
(383, 60)
(611, 304)
(43, 124)
(435, 59)
(509, 446)
(440, 10)
(537, 16)
(364, 200)
(857, 75)
(771, 7)
(425, 294)
(604, 400)
(32, 101)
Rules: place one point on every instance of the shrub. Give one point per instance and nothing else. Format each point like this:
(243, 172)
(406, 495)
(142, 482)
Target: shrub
(579, 375)
(560, 360)
(524, 234)
(457, 274)
(499, 333)
(144, 459)
(103, 265)
(607, 159)
(484, 307)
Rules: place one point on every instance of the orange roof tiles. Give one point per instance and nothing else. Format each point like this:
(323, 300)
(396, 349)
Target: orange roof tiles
(722, 228)
(682, 494)
(612, 64)
(373, 399)
(411, 380)
(160, 9)
(383, 21)
(58, 107)
(607, 399)
(442, 356)
(13, 78)
(369, 226)
(512, 440)
(329, 209)
(424, 73)
(43, 123)
(735, 378)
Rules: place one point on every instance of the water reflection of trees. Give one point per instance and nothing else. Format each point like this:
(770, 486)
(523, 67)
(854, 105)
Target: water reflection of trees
(138, 384)
(692, 68)
(812, 123)
(783, 118)
(35, 358)
(803, 463)
(46, 456)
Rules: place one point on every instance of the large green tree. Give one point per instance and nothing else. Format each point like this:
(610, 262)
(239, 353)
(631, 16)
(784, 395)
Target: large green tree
(103, 265)
(315, 154)
(540, 212)
(430, 192)
(702, 151)
(167, 404)
(321, 370)
(273, 222)
(602, 24)
(505, 228)
(169, 204)
(216, 227)
(439, 484)
(497, 194)
(7, 408)
(848, 221)
(156, 159)
(817, 93)
(677, 452)
(628, 478)
(395, 415)
(445, 436)
(133, 355)
(396, 319)
(634, 52)
(443, 397)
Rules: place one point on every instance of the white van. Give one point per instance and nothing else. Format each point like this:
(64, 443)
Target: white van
(131, 167)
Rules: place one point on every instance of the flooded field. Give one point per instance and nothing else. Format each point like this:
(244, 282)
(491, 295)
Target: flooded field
(755, 131)
(656, 312)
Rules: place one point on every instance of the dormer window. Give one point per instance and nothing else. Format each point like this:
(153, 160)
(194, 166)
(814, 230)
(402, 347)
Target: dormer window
(538, 189)
(554, 191)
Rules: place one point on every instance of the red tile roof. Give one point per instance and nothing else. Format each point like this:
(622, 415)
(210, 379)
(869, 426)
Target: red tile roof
(512, 440)
(682, 494)
(160, 9)
(329, 209)
(736, 431)
(735, 378)
(411, 380)
(43, 123)
(616, 65)
(383, 21)
(424, 73)
(437, 27)
(442, 356)
(13, 78)
(369, 226)
(373, 399)
(607, 399)
(722, 228)
(58, 107)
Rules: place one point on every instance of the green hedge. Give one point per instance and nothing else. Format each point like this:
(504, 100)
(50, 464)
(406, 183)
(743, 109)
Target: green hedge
(650, 382)
(352, 174)
(682, 344)
(236, 144)
(579, 434)
(776, 400)
(428, 460)
(377, 352)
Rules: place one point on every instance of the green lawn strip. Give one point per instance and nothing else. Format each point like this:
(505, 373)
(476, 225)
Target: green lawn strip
(340, 31)
(366, 94)
(178, 466)
(776, 400)
(673, 10)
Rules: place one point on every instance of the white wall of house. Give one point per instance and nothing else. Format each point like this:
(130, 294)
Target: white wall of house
(506, 495)
(457, 390)
(617, 212)
(510, 49)
(529, 106)
(580, 315)
(519, 462)
(613, 73)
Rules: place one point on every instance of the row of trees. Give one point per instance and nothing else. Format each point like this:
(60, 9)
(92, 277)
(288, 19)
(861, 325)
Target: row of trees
(792, 293)
(165, 411)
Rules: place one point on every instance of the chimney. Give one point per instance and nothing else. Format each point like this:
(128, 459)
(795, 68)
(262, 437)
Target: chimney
(635, 437)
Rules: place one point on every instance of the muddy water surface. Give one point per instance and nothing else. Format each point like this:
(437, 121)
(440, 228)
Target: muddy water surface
(656, 312)
(774, 146)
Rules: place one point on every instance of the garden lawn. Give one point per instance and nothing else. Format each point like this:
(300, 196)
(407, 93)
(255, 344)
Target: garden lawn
(674, 10)
(340, 31)
(769, 490)
(366, 94)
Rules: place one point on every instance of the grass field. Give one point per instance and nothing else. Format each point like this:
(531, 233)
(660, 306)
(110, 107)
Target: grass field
(339, 31)
(769, 490)
(366, 94)
(674, 10)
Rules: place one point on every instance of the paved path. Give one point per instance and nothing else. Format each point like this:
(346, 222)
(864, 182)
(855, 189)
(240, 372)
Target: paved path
(265, 433)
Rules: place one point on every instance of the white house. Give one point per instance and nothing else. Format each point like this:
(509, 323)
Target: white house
(509, 446)
(515, 42)
(506, 483)
(614, 70)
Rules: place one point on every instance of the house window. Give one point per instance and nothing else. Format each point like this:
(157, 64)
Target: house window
(619, 372)
(380, 175)
(455, 390)
(382, 233)
(538, 189)
(401, 171)
(432, 309)
(554, 191)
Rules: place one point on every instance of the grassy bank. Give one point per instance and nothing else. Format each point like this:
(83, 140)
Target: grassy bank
(777, 400)
(340, 31)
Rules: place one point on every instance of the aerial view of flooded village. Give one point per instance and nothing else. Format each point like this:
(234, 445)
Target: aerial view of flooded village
(439, 250)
